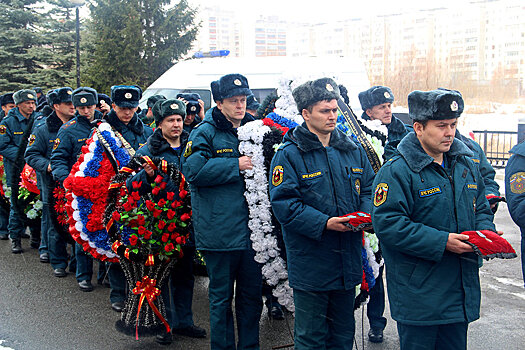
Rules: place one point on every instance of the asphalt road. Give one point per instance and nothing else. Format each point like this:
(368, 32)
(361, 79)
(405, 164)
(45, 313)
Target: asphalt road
(39, 311)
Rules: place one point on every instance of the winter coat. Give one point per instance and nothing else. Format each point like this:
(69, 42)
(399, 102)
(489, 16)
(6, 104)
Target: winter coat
(515, 185)
(211, 166)
(38, 152)
(417, 203)
(309, 184)
(70, 139)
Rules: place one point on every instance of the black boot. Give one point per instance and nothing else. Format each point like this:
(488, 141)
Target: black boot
(16, 246)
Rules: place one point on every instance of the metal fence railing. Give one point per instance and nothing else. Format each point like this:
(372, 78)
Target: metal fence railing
(496, 145)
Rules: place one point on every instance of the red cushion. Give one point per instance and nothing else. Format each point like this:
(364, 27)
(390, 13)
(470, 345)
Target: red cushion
(488, 245)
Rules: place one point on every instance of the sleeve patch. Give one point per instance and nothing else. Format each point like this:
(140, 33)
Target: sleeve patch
(380, 194)
(517, 183)
(32, 139)
(57, 142)
(277, 175)
(187, 150)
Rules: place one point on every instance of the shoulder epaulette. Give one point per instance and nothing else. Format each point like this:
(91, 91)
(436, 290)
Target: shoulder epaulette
(69, 123)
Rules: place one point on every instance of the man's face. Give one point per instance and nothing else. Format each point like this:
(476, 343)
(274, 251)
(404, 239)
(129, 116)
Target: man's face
(124, 113)
(27, 107)
(7, 107)
(323, 117)
(382, 112)
(189, 119)
(65, 109)
(437, 136)
(149, 113)
(233, 108)
(87, 111)
(171, 126)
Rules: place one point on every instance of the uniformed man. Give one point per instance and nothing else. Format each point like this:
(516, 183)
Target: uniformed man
(376, 103)
(515, 193)
(212, 165)
(104, 103)
(319, 174)
(168, 142)
(146, 115)
(424, 198)
(252, 105)
(7, 103)
(38, 154)
(194, 110)
(69, 141)
(124, 119)
(12, 128)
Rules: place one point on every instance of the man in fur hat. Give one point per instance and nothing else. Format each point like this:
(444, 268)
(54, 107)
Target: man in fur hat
(19, 120)
(212, 165)
(319, 174)
(168, 142)
(38, 155)
(424, 198)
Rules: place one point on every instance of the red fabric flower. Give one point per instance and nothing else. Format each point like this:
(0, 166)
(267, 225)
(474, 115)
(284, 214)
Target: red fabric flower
(156, 213)
(141, 220)
(150, 205)
(185, 217)
(169, 247)
(135, 195)
(161, 202)
(171, 214)
(161, 224)
(183, 194)
(158, 179)
(133, 240)
(148, 234)
(142, 230)
(127, 206)
(136, 184)
(180, 240)
(176, 204)
(174, 236)
(170, 195)
(165, 237)
(116, 216)
(172, 226)
(163, 185)
(155, 191)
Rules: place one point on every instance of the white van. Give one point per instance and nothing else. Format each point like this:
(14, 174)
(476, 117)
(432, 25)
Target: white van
(195, 75)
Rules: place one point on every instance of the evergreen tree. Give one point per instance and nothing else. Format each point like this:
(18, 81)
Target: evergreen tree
(60, 50)
(135, 41)
(21, 39)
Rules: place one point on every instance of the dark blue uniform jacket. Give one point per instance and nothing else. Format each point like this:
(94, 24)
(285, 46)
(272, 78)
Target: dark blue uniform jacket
(211, 166)
(417, 203)
(317, 183)
(71, 137)
(135, 132)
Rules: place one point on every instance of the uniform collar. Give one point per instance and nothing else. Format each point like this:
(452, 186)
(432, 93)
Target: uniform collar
(53, 122)
(417, 159)
(519, 149)
(219, 120)
(307, 141)
(18, 115)
(157, 144)
(135, 125)
(396, 126)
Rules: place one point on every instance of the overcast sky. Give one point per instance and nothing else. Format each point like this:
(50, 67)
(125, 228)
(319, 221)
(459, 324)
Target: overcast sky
(323, 11)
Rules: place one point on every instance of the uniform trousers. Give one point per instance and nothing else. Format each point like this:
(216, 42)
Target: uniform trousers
(229, 270)
(178, 292)
(324, 320)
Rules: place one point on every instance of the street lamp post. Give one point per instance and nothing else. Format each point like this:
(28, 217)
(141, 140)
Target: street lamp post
(78, 4)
